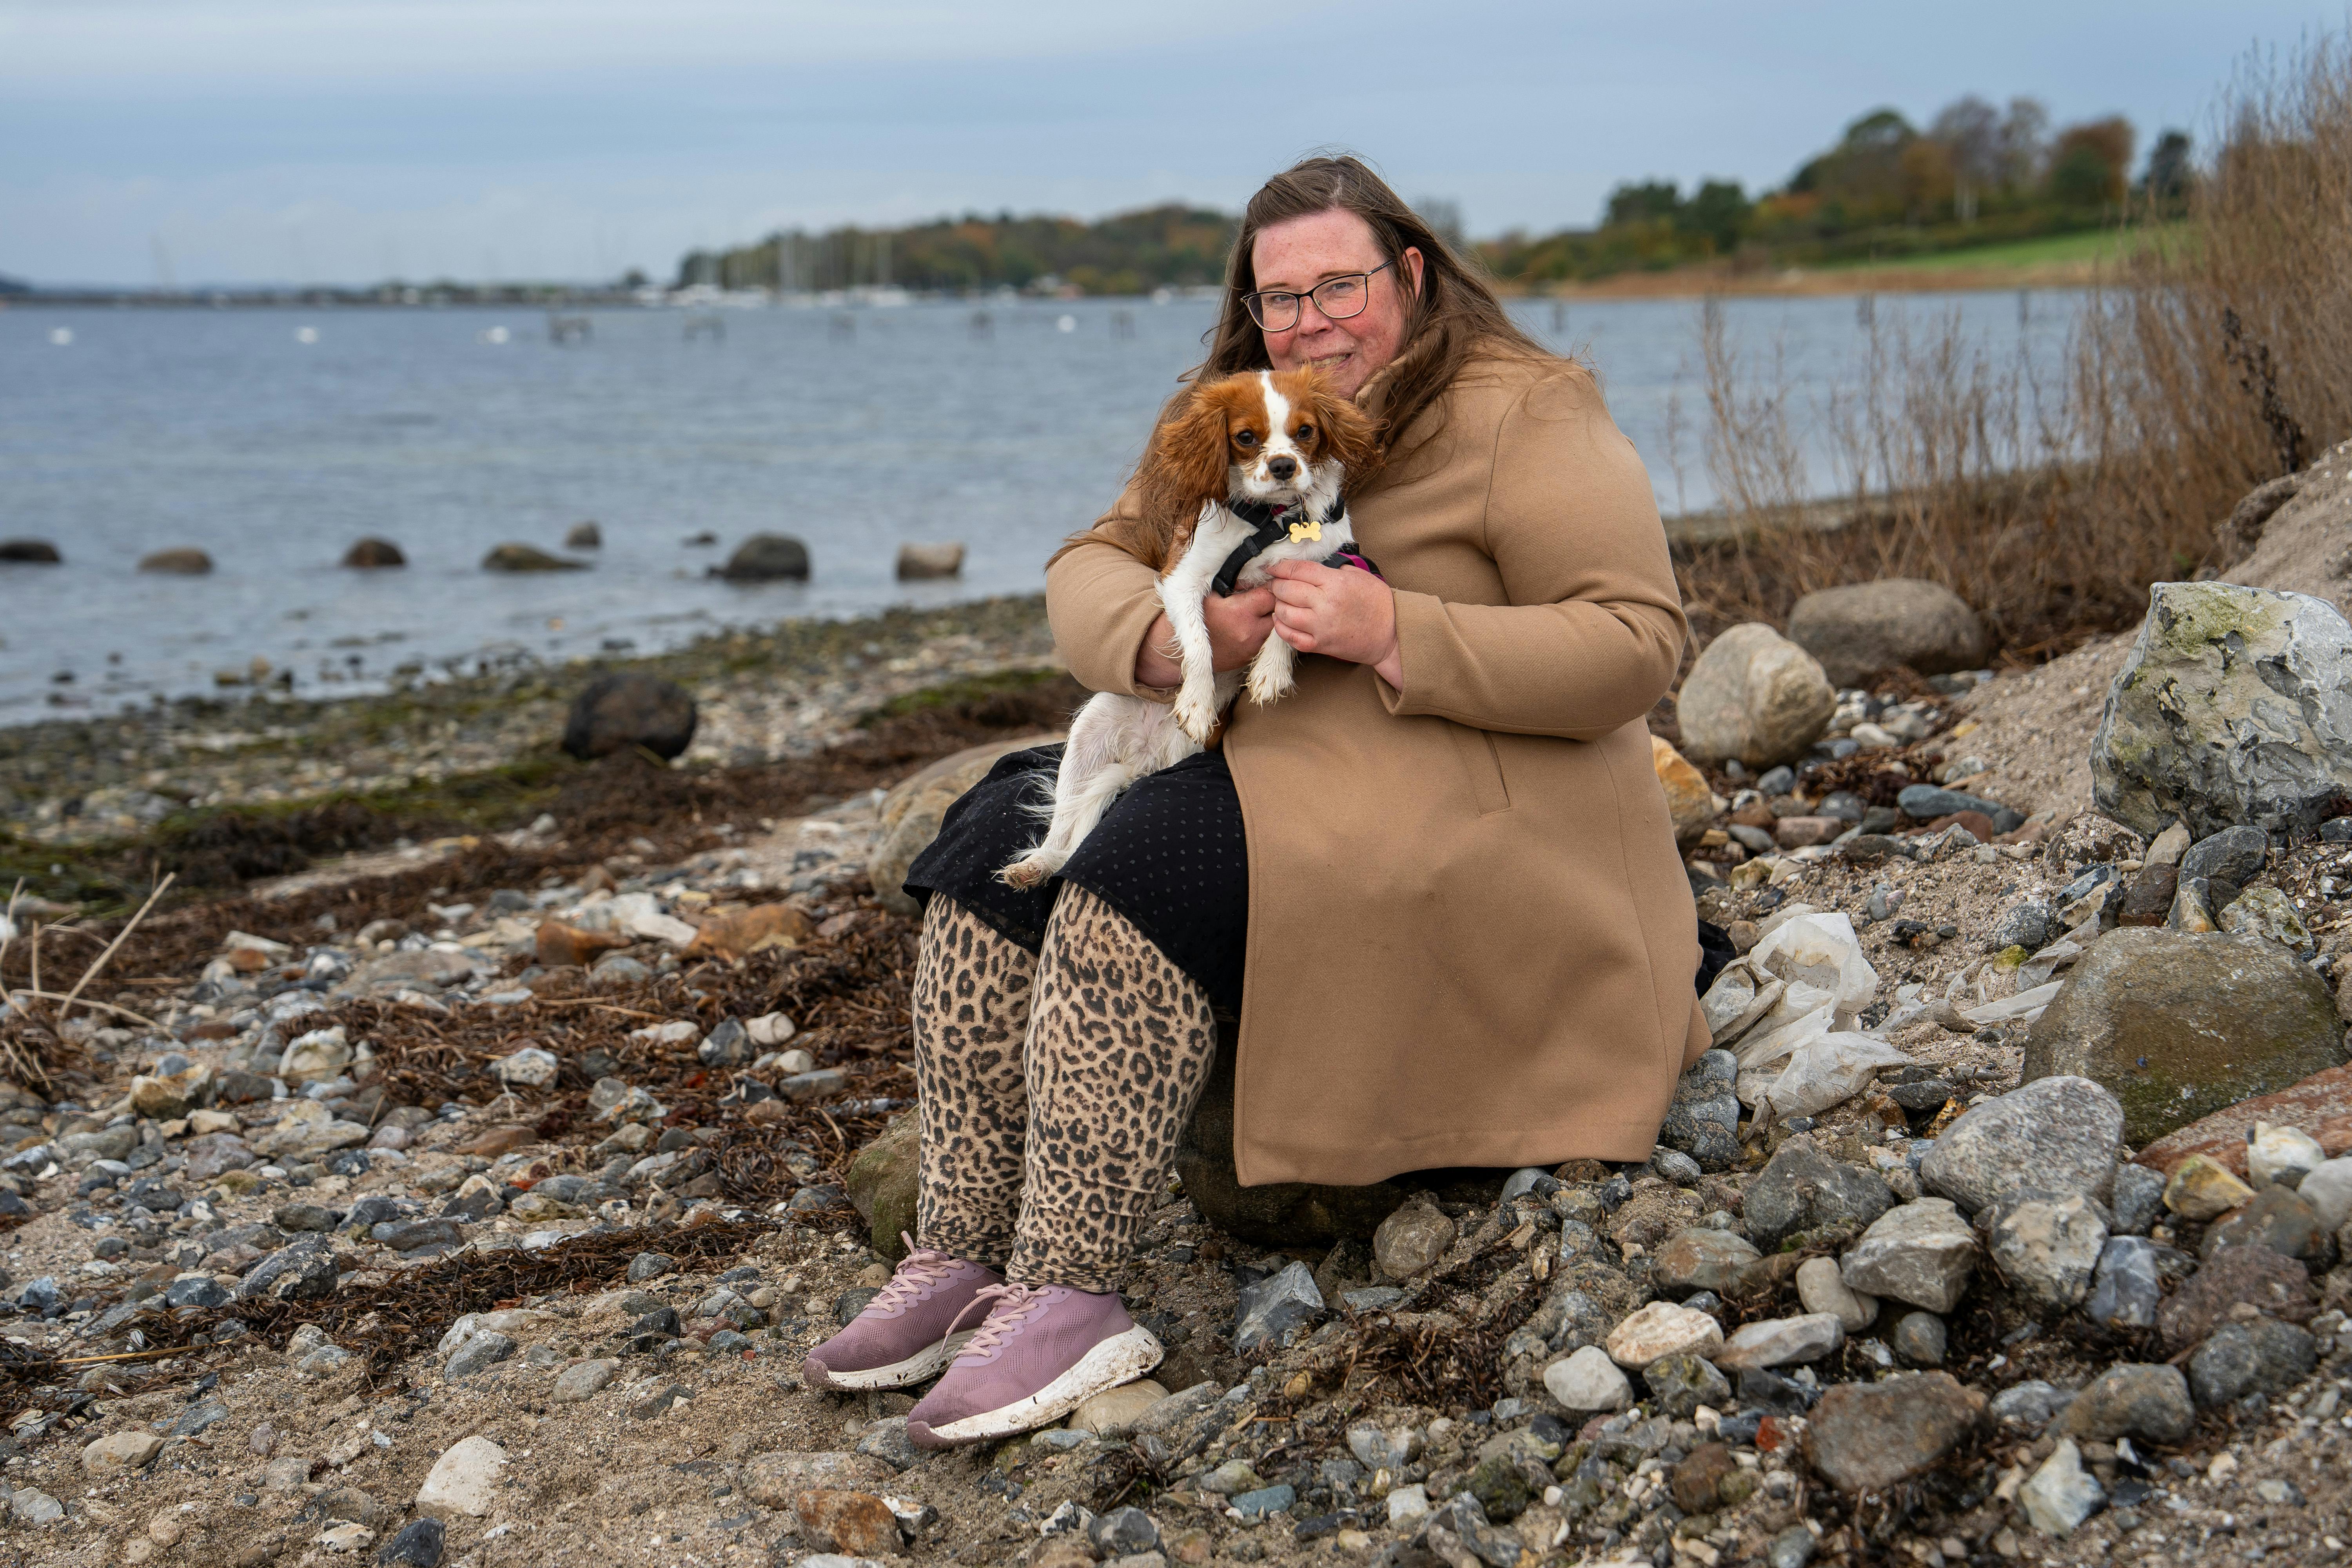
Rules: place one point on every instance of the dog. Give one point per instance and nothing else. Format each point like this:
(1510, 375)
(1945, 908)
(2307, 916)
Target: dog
(1241, 473)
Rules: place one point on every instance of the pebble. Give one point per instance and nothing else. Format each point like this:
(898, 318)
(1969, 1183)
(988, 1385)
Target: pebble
(2147, 1403)
(1584, 1380)
(1391, 1446)
(480, 1351)
(2052, 1138)
(2137, 1199)
(2255, 1277)
(2048, 1250)
(2033, 1404)
(462, 1480)
(1864, 1437)
(1410, 1239)
(2328, 1191)
(1680, 1383)
(1801, 1188)
(1922, 1253)
(1407, 1504)
(2062, 1494)
(418, 1545)
(1782, 1341)
(2265, 1356)
(1114, 1413)
(1276, 1312)
(2276, 1218)
(1663, 1329)
(1820, 1288)
(887, 1440)
(2125, 1290)
(118, 1452)
(1123, 1532)
(1699, 1260)
(1792, 1547)
(1919, 1339)
(2204, 1189)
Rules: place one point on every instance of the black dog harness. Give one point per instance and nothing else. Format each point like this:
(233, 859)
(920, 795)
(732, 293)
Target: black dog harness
(1269, 528)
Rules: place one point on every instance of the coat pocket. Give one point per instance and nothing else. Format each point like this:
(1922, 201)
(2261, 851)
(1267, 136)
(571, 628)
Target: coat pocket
(1483, 764)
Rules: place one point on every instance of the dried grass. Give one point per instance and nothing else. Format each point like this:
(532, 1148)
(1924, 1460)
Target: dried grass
(2217, 357)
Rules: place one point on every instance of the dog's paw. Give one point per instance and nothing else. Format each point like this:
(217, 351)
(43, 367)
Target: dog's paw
(1266, 686)
(1029, 872)
(1196, 717)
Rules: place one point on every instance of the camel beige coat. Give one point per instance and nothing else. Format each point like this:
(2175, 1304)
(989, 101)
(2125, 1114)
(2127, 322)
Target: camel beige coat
(1471, 939)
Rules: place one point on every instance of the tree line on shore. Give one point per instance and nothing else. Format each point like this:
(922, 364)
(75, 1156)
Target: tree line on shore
(1975, 174)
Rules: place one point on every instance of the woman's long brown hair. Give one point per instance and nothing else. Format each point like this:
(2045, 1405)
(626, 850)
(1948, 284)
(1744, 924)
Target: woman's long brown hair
(1455, 313)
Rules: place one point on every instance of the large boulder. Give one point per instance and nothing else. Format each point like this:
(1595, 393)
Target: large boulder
(374, 554)
(766, 558)
(177, 562)
(1281, 1214)
(2234, 707)
(1864, 628)
(882, 1183)
(2177, 1026)
(616, 712)
(916, 562)
(912, 810)
(1754, 697)
(528, 558)
(30, 553)
(2055, 1136)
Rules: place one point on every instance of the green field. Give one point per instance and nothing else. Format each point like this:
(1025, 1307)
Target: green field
(2053, 250)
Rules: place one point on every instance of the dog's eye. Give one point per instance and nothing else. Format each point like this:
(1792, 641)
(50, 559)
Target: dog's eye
(1244, 438)
(1306, 433)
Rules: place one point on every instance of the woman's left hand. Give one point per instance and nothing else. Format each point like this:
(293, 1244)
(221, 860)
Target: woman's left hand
(1339, 612)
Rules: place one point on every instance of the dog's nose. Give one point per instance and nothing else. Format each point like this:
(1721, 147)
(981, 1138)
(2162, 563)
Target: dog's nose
(1282, 467)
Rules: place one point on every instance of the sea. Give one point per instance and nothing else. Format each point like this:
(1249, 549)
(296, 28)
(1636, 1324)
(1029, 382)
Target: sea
(272, 438)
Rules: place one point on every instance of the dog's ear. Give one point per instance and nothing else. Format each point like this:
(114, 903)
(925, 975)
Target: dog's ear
(1349, 436)
(1188, 460)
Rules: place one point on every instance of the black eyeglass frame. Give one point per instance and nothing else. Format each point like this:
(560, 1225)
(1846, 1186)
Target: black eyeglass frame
(1252, 301)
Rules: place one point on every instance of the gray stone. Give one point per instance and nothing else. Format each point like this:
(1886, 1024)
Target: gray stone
(2234, 707)
(1584, 1380)
(2276, 1218)
(1679, 1385)
(2178, 1025)
(1920, 1338)
(647, 1266)
(2028, 925)
(1792, 1547)
(1925, 803)
(1822, 1289)
(2265, 1356)
(767, 558)
(2047, 1249)
(196, 1290)
(2127, 1288)
(2054, 1137)
(480, 1351)
(1801, 1188)
(301, 1271)
(1674, 1165)
(2234, 855)
(1755, 697)
(2030, 1404)
(1781, 1341)
(2146, 1402)
(2266, 913)
(1122, 1532)
(2061, 1494)
(1921, 1252)
(728, 1046)
(887, 1440)
(1390, 1445)
(527, 558)
(418, 1545)
(583, 1381)
(1701, 1261)
(2137, 1199)
(1276, 1312)
(1863, 629)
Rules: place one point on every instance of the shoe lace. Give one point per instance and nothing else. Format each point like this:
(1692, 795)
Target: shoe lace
(1016, 1304)
(921, 1270)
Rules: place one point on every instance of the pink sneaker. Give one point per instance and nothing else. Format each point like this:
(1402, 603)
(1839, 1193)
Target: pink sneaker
(906, 1333)
(1044, 1351)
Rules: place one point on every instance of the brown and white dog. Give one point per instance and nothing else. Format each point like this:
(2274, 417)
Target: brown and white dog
(1245, 472)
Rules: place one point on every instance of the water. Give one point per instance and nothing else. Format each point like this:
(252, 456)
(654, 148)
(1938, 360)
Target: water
(273, 438)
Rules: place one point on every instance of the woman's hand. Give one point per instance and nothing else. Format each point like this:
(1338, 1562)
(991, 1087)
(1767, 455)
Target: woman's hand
(1238, 624)
(1339, 612)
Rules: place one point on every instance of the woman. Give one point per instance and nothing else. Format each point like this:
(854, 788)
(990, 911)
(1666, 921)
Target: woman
(1455, 929)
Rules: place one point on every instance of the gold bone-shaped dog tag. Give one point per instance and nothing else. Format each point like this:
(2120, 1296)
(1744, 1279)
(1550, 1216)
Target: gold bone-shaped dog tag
(1300, 532)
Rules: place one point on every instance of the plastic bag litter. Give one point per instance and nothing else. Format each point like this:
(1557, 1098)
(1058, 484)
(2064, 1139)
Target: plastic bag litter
(2025, 1006)
(1820, 950)
(1739, 1001)
(1803, 1010)
(1824, 1068)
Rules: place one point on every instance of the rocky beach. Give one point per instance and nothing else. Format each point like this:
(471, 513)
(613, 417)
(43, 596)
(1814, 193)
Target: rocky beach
(455, 1163)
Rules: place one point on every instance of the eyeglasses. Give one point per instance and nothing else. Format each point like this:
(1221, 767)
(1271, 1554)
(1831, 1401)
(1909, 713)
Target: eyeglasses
(1339, 298)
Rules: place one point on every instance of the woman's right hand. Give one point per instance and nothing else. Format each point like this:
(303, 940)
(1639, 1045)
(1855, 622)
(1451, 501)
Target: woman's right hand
(1238, 626)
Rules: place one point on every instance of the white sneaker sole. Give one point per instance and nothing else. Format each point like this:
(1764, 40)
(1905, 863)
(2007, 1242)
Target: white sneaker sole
(1120, 1359)
(898, 1374)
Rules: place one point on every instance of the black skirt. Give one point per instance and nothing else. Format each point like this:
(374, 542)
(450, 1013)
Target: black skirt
(1170, 855)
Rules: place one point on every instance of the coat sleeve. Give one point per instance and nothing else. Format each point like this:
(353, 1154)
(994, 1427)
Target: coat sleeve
(1101, 601)
(1593, 629)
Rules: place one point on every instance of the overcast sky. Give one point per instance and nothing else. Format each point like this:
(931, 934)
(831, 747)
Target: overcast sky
(346, 141)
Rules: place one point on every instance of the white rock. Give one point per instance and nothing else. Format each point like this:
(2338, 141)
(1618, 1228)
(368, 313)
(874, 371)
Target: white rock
(530, 1066)
(1820, 1288)
(1781, 1341)
(2278, 1153)
(318, 1054)
(1663, 1329)
(1756, 696)
(1588, 1380)
(119, 1451)
(1407, 1503)
(669, 1034)
(462, 1480)
(2329, 1190)
(346, 1538)
(770, 1029)
(2061, 1495)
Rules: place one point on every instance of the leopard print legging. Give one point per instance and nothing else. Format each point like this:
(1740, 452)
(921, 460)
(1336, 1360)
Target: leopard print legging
(1053, 1088)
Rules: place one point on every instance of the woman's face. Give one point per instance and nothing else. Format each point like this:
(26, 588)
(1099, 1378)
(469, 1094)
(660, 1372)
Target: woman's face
(1296, 255)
